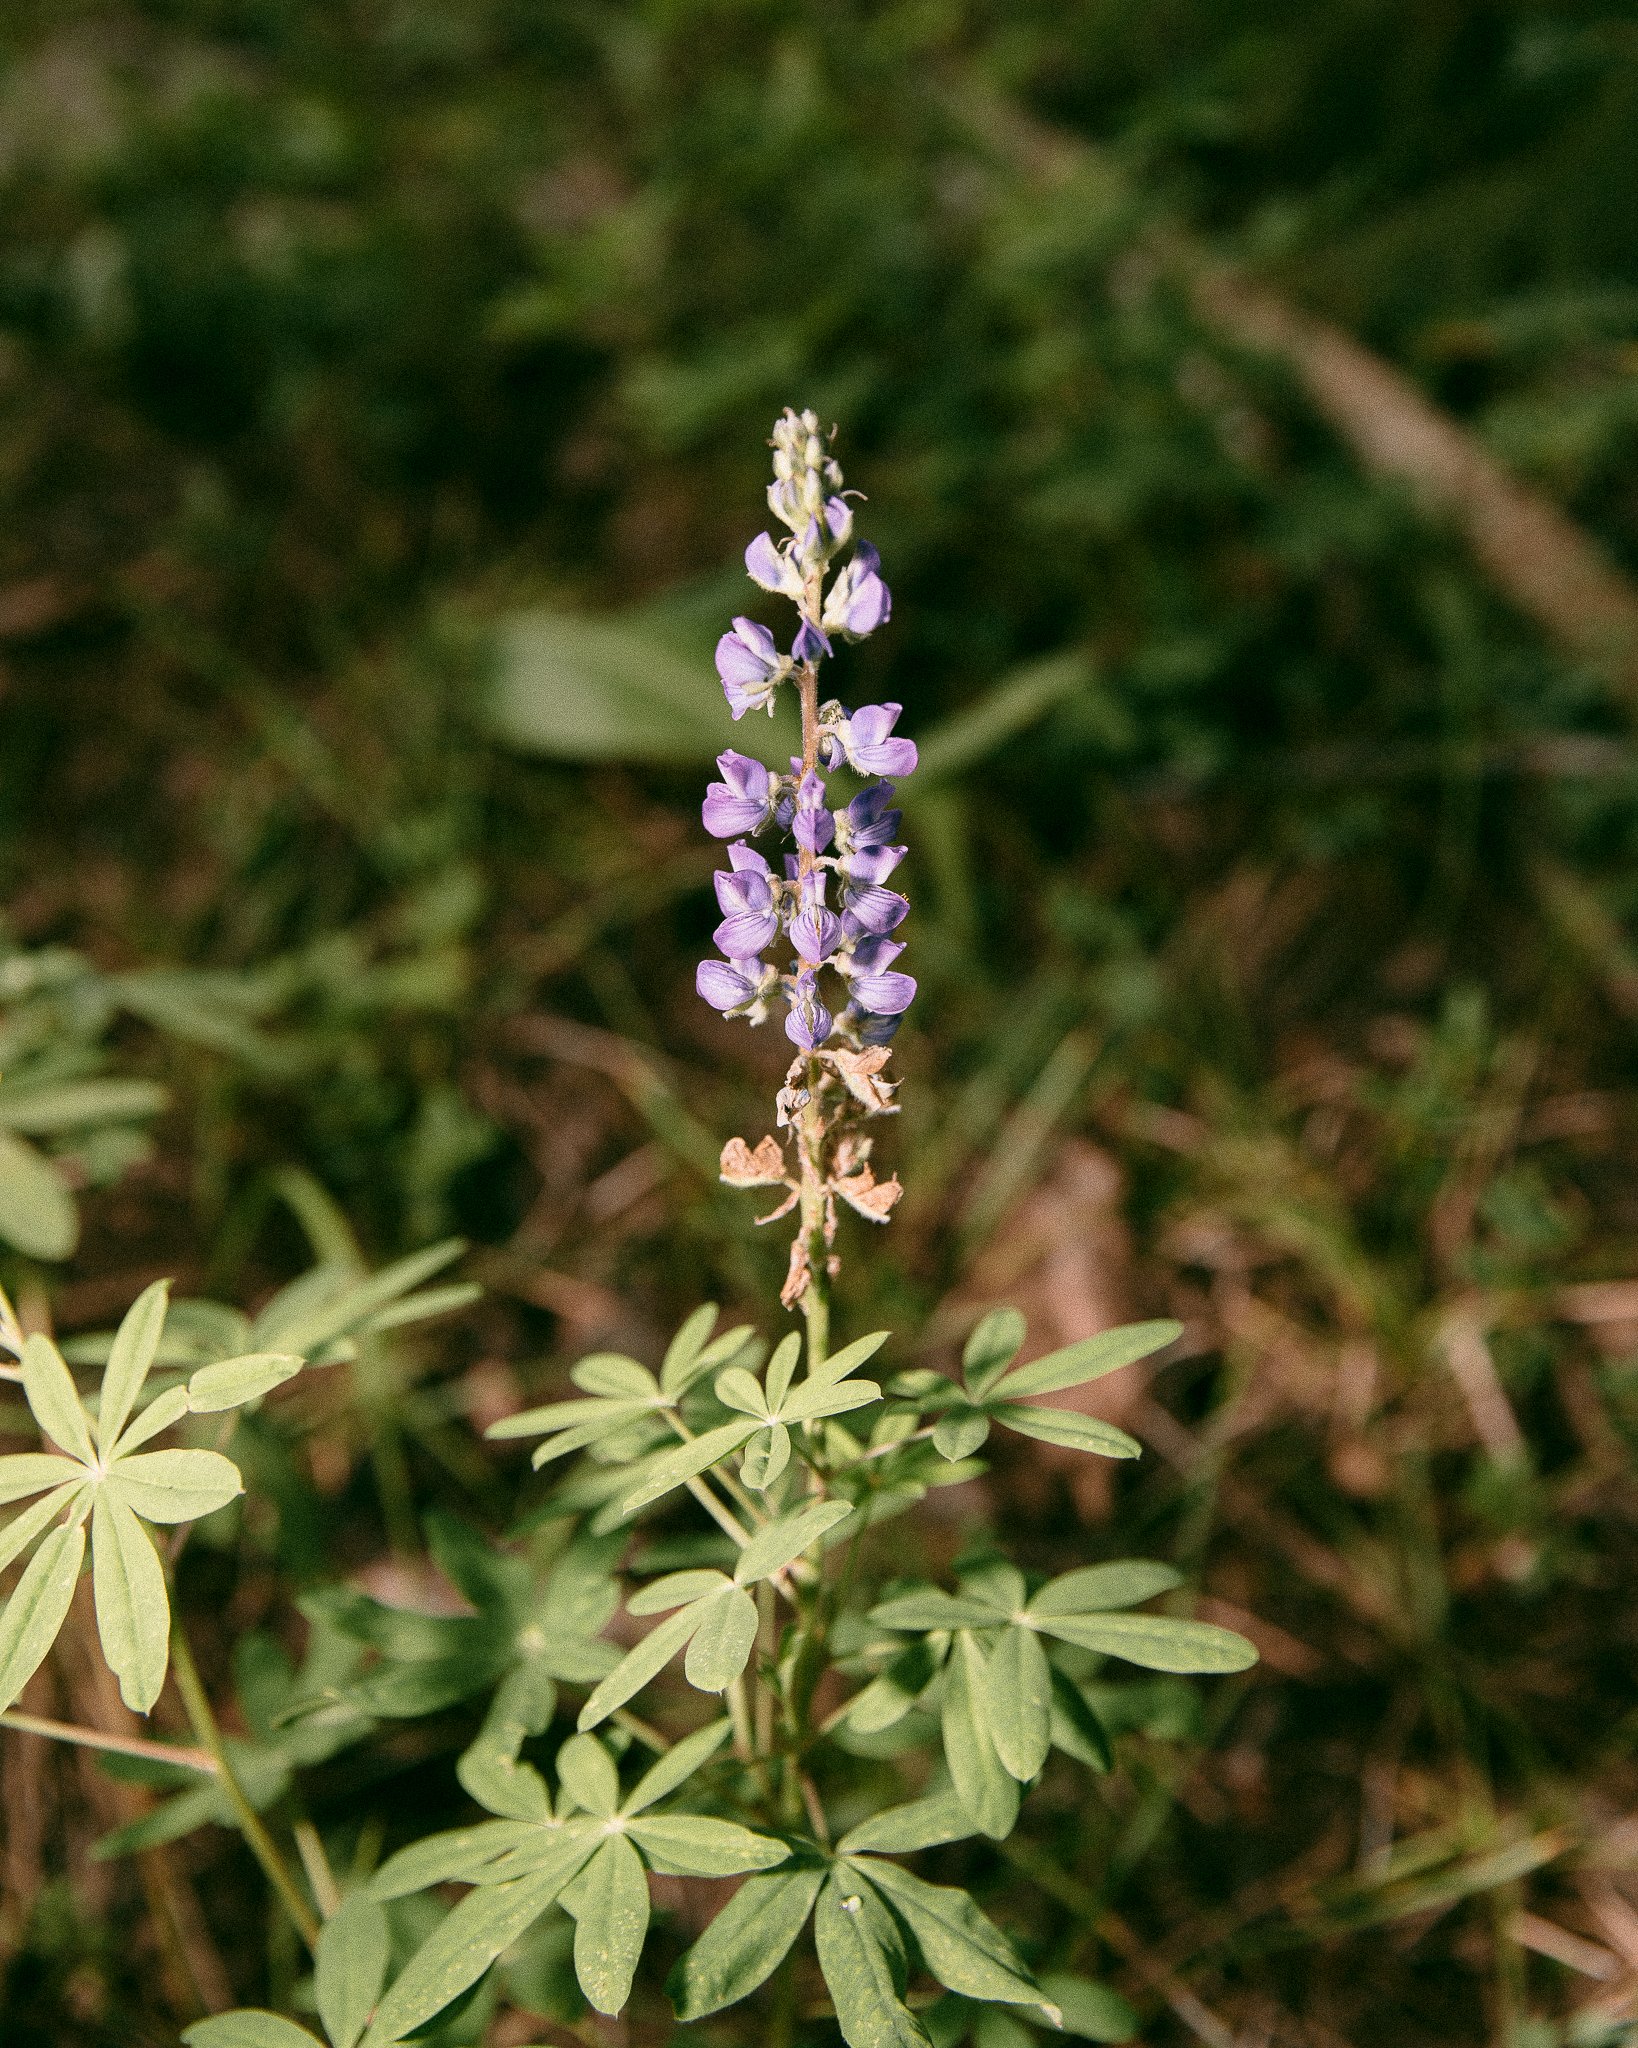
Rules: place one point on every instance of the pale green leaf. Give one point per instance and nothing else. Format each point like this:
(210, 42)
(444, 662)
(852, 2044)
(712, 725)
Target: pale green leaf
(677, 1766)
(964, 1949)
(136, 1342)
(29, 1472)
(721, 1644)
(933, 1609)
(488, 1768)
(677, 1589)
(1090, 1359)
(885, 1701)
(982, 1782)
(734, 1387)
(461, 1947)
(609, 1901)
(862, 1956)
(35, 1612)
(611, 1416)
(812, 1399)
(699, 1845)
(766, 1456)
(1156, 1641)
(782, 1368)
(22, 1529)
(1096, 1588)
(675, 1468)
(745, 1943)
(901, 1830)
(959, 1432)
(586, 1772)
(133, 1608)
(51, 1393)
(1092, 2011)
(350, 1967)
(777, 1543)
(159, 1415)
(1074, 1431)
(247, 2029)
(682, 1363)
(235, 1381)
(45, 1108)
(1018, 1702)
(37, 1212)
(175, 1486)
(639, 1665)
(457, 1855)
(612, 1374)
(996, 1341)
(851, 1356)
(565, 1415)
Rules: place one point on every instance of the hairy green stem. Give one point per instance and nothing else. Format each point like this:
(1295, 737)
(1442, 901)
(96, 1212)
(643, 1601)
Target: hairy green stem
(202, 1719)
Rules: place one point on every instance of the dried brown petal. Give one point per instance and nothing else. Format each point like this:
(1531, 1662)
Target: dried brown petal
(763, 1168)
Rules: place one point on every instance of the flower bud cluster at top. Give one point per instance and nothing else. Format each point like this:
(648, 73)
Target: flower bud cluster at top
(826, 895)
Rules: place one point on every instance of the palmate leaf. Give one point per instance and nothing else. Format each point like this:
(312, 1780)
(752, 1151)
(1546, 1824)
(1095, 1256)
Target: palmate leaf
(963, 1949)
(746, 1942)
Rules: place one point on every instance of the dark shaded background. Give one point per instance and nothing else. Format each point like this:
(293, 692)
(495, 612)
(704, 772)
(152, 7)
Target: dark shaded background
(1268, 372)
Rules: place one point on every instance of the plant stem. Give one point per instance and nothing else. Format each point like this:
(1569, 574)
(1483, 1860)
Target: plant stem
(203, 1721)
(116, 1745)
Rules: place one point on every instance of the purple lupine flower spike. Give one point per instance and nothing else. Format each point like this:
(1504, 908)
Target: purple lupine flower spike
(751, 667)
(865, 740)
(750, 921)
(742, 801)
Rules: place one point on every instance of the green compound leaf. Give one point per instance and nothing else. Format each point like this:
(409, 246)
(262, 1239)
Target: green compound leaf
(247, 2029)
(1064, 1426)
(136, 1343)
(49, 1388)
(963, 1948)
(612, 1374)
(698, 1845)
(996, 1341)
(609, 1902)
(350, 1967)
(175, 1486)
(901, 1830)
(234, 1382)
(160, 1414)
(638, 1666)
(1018, 1702)
(462, 1947)
(745, 1943)
(722, 1641)
(1096, 1588)
(933, 1609)
(586, 1772)
(677, 1766)
(37, 1213)
(982, 1782)
(862, 1956)
(1156, 1641)
(780, 1542)
(1090, 1359)
(959, 1432)
(22, 1529)
(133, 1609)
(36, 1610)
(848, 1359)
(678, 1589)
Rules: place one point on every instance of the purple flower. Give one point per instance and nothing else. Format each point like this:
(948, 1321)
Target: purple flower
(815, 931)
(872, 1030)
(809, 1022)
(864, 740)
(772, 568)
(839, 518)
(811, 825)
(810, 644)
(870, 819)
(746, 898)
(870, 863)
(751, 667)
(884, 995)
(731, 989)
(742, 801)
(859, 600)
(872, 911)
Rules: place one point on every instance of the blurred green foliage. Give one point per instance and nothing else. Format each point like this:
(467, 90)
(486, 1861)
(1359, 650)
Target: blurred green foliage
(336, 338)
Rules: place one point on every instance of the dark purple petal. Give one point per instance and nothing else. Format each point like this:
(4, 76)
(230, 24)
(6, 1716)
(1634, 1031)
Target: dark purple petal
(871, 819)
(810, 643)
(873, 1030)
(871, 863)
(876, 955)
(874, 910)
